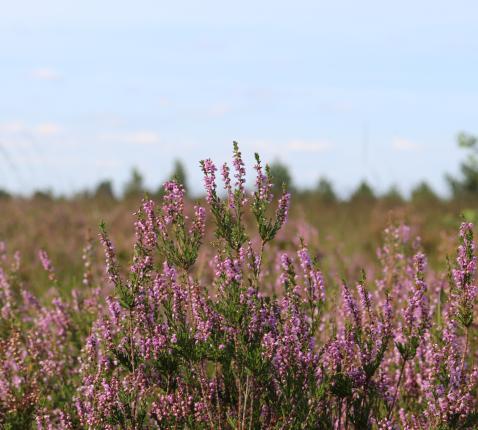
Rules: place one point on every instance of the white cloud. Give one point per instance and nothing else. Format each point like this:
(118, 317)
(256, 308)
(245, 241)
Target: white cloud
(308, 145)
(260, 145)
(291, 147)
(143, 137)
(13, 127)
(45, 74)
(47, 129)
(401, 144)
(20, 128)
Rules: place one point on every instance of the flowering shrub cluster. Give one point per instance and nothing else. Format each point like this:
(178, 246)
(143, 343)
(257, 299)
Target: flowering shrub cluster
(258, 338)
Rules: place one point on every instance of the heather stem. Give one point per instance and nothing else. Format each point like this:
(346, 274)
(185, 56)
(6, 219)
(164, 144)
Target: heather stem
(465, 352)
(340, 413)
(245, 403)
(132, 358)
(261, 255)
(402, 369)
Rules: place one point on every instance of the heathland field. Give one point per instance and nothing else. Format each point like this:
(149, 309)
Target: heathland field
(263, 308)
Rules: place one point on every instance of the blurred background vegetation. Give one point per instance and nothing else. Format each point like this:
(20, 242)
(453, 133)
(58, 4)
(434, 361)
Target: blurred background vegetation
(345, 231)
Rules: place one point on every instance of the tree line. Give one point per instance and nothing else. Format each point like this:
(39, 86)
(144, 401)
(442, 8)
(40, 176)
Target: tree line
(461, 187)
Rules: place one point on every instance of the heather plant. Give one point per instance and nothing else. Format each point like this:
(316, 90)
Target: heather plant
(39, 349)
(260, 337)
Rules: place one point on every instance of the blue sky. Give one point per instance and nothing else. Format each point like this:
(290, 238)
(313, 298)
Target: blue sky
(343, 89)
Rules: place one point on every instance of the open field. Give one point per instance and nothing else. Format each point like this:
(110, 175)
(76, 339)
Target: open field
(337, 230)
(241, 311)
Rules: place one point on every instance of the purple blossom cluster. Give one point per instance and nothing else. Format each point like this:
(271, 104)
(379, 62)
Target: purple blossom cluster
(262, 337)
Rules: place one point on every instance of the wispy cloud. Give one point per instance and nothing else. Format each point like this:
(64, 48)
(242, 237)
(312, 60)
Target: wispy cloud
(143, 137)
(292, 146)
(12, 127)
(18, 128)
(45, 74)
(47, 129)
(401, 144)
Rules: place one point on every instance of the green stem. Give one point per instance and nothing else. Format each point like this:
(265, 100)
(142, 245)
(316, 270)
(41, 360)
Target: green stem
(402, 369)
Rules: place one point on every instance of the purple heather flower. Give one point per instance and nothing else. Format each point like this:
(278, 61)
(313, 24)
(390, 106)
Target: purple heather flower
(47, 265)
(199, 222)
(173, 205)
(315, 280)
(351, 306)
(282, 212)
(263, 185)
(111, 265)
(227, 184)
(209, 170)
(240, 174)
(465, 290)
(146, 224)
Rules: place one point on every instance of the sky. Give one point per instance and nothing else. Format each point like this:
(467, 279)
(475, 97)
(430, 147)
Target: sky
(343, 89)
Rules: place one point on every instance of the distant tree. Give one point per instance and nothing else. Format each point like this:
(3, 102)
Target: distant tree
(179, 174)
(135, 186)
(423, 193)
(325, 190)
(4, 194)
(363, 193)
(280, 176)
(393, 195)
(468, 182)
(104, 190)
(43, 195)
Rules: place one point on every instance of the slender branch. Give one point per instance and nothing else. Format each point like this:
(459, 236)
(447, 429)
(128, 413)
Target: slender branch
(465, 351)
(245, 403)
(261, 255)
(402, 369)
